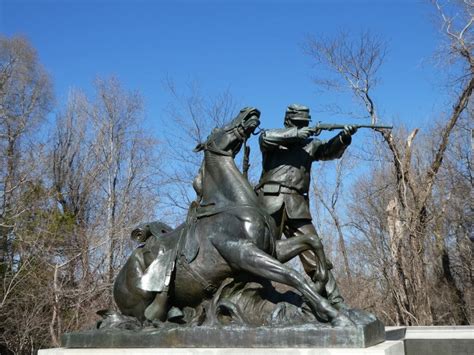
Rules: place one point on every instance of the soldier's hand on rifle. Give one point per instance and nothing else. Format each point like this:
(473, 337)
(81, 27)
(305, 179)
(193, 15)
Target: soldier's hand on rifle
(349, 130)
(305, 132)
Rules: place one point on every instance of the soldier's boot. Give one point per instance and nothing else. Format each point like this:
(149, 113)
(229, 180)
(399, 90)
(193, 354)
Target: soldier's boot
(333, 294)
(327, 288)
(315, 269)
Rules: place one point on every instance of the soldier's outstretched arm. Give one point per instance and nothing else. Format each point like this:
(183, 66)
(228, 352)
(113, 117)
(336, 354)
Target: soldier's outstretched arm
(335, 147)
(283, 137)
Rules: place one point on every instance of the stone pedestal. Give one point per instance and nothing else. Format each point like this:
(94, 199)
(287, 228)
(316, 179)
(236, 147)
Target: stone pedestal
(385, 348)
(441, 340)
(302, 336)
(401, 341)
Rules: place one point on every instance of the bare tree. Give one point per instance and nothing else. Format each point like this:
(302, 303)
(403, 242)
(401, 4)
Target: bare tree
(329, 196)
(25, 99)
(126, 164)
(63, 238)
(355, 64)
(74, 176)
(67, 205)
(451, 229)
(407, 212)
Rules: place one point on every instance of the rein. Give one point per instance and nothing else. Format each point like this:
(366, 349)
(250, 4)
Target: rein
(207, 146)
(246, 158)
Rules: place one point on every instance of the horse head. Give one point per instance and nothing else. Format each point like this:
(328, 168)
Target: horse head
(228, 140)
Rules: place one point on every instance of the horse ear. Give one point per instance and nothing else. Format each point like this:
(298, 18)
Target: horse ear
(198, 148)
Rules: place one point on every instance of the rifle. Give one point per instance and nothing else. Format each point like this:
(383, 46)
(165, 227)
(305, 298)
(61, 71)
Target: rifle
(332, 126)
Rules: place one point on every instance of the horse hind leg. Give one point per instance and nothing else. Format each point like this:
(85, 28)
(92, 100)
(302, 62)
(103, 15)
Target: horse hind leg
(287, 249)
(251, 259)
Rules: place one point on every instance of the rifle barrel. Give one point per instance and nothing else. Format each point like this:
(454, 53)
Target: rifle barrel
(331, 126)
(374, 126)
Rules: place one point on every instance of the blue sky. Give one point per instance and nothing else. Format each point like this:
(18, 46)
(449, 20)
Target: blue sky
(252, 48)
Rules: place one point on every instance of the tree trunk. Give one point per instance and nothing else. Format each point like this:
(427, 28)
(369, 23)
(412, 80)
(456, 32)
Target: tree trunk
(458, 305)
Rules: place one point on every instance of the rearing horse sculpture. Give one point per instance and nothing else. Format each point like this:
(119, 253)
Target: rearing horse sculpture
(227, 234)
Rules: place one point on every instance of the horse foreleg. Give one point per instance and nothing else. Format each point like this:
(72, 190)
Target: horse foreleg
(248, 257)
(156, 310)
(130, 298)
(287, 249)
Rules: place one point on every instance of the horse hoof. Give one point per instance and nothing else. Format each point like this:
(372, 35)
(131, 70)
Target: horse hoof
(361, 317)
(342, 321)
(175, 315)
(112, 319)
(341, 306)
(154, 312)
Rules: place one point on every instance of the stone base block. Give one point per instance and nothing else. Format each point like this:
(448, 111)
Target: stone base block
(385, 348)
(441, 340)
(303, 336)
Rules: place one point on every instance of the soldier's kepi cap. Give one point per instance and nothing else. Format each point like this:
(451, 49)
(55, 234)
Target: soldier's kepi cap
(296, 112)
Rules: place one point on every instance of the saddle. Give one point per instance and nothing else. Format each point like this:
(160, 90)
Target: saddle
(179, 246)
(167, 247)
(166, 236)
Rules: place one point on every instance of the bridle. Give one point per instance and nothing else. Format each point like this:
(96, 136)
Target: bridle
(233, 130)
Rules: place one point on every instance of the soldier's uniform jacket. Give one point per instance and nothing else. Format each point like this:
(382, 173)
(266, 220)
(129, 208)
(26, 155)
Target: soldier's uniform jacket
(286, 170)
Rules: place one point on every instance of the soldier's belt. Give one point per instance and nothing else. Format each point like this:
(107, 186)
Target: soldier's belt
(287, 190)
(275, 189)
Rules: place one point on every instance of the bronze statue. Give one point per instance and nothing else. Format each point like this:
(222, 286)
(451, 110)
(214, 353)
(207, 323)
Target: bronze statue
(227, 234)
(220, 278)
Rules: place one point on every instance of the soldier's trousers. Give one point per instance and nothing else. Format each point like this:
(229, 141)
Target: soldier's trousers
(295, 227)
